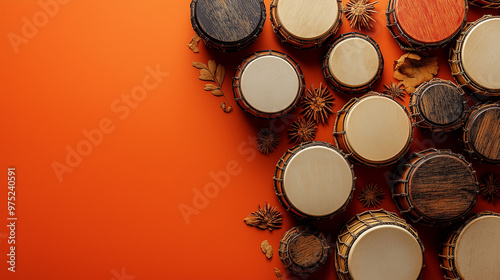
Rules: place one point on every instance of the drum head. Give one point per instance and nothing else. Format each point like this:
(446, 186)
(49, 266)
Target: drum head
(476, 251)
(269, 84)
(377, 129)
(480, 55)
(485, 132)
(441, 104)
(305, 250)
(318, 181)
(307, 19)
(385, 252)
(354, 62)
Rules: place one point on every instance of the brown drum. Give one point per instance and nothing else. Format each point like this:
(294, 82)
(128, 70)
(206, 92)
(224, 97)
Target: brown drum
(439, 105)
(436, 187)
(353, 63)
(378, 245)
(481, 133)
(494, 4)
(471, 251)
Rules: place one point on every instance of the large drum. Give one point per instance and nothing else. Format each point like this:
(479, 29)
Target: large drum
(471, 252)
(435, 187)
(439, 105)
(228, 25)
(314, 180)
(425, 24)
(306, 24)
(481, 133)
(495, 4)
(475, 59)
(378, 245)
(375, 129)
(353, 63)
(268, 84)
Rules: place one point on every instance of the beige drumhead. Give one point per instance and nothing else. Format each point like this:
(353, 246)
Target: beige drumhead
(477, 250)
(307, 19)
(269, 84)
(377, 128)
(354, 62)
(480, 54)
(385, 252)
(317, 181)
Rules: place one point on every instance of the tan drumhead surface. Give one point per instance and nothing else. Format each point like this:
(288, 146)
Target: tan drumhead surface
(269, 84)
(385, 252)
(481, 55)
(377, 128)
(477, 254)
(317, 181)
(307, 19)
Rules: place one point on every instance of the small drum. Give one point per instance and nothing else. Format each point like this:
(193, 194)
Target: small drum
(268, 84)
(303, 250)
(495, 4)
(353, 63)
(439, 105)
(481, 133)
(436, 187)
(471, 252)
(305, 24)
(314, 180)
(228, 25)
(375, 129)
(378, 245)
(475, 59)
(425, 24)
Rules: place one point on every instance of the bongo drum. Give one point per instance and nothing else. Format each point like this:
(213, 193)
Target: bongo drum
(471, 251)
(305, 24)
(378, 245)
(439, 105)
(481, 133)
(228, 25)
(425, 24)
(475, 59)
(353, 63)
(436, 187)
(303, 250)
(495, 4)
(375, 130)
(314, 180)
(268, 84)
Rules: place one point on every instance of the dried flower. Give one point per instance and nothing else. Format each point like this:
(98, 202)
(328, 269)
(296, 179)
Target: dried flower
(413, 69)
(302, 130)
(489, 187)
(265, 218)
(359, 13)
(371, 195)
(267, 140)
(193, 45)
(214, 73)
(317, 104)
(395, 90)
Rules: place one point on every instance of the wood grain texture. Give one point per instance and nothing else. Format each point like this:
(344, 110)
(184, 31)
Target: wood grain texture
(305, 250)
(441, 104)
(484, 131)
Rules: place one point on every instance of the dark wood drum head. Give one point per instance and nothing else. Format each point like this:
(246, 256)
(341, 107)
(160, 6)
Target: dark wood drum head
(485, 133)
(306, 250)
(441, 104)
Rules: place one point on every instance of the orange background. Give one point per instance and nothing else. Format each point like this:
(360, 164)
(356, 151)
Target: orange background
(116, 214)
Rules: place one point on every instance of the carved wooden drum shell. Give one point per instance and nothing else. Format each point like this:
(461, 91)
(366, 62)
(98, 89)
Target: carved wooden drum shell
(493, 4)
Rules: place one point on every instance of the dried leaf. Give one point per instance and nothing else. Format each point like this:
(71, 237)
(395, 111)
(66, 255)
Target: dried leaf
(220, 73)
(278, 273)
(267, 249)
(412, 70)
(213, 73)
(193, 45)
(217, 92)
(199, 65)
(205, 75)
(226, 108)
(210, 87)
(212, 66)
(252, 220)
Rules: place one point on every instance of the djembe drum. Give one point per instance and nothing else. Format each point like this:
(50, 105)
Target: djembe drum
(436, 187)
(353, 63)
(314, 180)
(495, 4)
(439, 105)
(378, 245)
(475, 59)
(425, 24)
(303, 250)
(375, 130)
(481, 133)
(305, 24)
(471, 251)
(268, 84)
(228, 25)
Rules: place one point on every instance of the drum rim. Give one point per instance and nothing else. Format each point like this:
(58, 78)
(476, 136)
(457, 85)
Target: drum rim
(485, 4)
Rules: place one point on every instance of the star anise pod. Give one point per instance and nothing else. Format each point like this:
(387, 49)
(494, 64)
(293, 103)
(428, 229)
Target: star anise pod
(267, 140)
(317, 104)
(302, 130)
(395, 90)
(371, 196)
(489, 187)
(359, 13)
(265, 218)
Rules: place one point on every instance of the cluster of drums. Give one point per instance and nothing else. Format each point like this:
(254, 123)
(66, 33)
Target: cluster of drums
(315, 180)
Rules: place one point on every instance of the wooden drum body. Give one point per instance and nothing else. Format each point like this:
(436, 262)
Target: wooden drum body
(305, 23)
(425, 24)
(314, 180)
(439, 105)
(378, 245)
(268, 84)
(353, 63)
(303, 250)
(494, 4)
(481, 133)
(375, 130)
(436, 187)
(228, 25)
